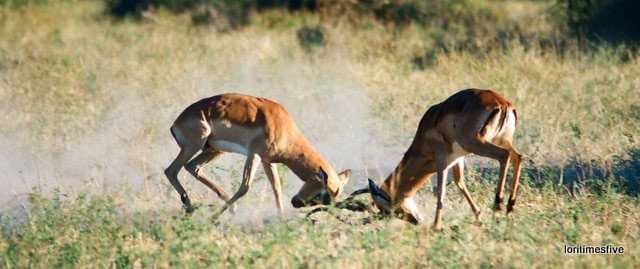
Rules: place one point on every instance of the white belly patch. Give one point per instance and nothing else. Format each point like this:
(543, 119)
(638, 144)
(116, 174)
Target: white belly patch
(227, 146)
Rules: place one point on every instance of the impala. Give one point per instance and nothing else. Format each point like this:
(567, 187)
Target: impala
(470, 121)
(265, 133)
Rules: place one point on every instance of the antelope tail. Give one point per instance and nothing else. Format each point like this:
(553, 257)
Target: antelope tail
(499, 112)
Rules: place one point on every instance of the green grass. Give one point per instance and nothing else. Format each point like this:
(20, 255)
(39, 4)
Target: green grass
(89, 231)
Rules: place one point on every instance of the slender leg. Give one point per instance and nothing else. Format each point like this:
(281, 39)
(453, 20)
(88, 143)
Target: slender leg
(458, 177)
(250, 166)
(504, 167)
(186, 152)
(194, 168)
(441, 189)
(517, 162)
(274, 178)
(480, 146)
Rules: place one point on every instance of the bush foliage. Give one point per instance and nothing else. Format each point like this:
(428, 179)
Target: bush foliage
(610, 21)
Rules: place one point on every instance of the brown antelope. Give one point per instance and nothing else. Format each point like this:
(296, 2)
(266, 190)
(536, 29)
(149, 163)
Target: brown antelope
(263, 131)
(471, 121)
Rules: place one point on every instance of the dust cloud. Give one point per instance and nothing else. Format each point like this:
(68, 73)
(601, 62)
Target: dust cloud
(131, 145)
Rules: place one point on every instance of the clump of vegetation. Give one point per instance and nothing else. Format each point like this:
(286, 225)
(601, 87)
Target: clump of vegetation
(310, 37)
(225, 14)
(601, 21)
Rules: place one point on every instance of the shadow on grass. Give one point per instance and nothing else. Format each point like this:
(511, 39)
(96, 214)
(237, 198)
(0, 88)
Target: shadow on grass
(622, 176)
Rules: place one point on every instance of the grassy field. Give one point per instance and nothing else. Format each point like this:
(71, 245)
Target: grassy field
(94, 231)
(86, 102)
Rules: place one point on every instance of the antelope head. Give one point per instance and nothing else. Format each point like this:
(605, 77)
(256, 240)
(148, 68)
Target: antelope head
(327, 187)
(406, 210)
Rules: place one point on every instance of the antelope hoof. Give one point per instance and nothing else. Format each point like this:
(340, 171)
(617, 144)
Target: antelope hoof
(510, 206)
(186, 203)
(216, 216)
(497, 204)
(478, 214)
(224, 208)
(189, 209)
(437, 227)
(193, 208)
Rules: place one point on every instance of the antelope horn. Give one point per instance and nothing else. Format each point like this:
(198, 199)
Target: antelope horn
(348, 203)
(379, 196)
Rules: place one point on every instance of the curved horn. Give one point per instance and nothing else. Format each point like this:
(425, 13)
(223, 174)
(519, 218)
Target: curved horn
(379, 196)
(358, 192)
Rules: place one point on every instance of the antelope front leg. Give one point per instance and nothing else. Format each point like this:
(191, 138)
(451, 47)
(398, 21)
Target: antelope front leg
(194, 167)
(458, 177)
(250, 166)
(504, 166)
(172, 174)
(517, 160)
(274, 178)
(441, 189)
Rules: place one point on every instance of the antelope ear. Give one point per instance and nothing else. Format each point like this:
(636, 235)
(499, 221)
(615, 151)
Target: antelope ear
(411, 212)
(412, 218)
(379, 197)
(344, 176)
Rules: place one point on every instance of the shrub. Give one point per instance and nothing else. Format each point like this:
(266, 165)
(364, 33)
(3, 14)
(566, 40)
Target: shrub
(234, 13)
(134, 8)
(609, 21)
(310, 37)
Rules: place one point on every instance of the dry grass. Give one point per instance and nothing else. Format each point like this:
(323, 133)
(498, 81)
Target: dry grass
(74, 65)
